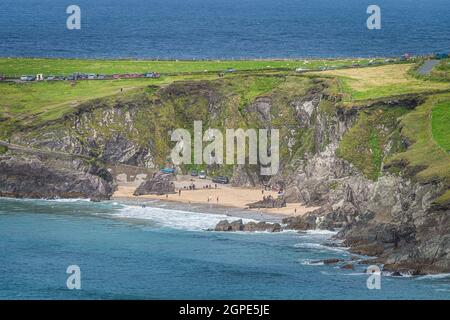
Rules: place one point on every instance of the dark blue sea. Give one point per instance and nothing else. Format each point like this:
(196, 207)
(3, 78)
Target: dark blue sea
(125, 251)
(201, 29)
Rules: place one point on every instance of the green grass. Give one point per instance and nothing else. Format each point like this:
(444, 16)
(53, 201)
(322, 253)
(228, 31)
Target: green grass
(250, 90)
(429, 159)
(363, 84)
(442, 71)
(41, 101)
(441, 125)
(16, 67)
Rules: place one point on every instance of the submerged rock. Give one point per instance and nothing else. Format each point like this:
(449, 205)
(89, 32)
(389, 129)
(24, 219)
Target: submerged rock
(239, 225)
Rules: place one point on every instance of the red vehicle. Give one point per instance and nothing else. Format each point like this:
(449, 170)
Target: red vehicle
(116, 76)
(2, 77)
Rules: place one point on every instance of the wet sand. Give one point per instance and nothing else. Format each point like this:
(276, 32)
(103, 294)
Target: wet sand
(223, 196)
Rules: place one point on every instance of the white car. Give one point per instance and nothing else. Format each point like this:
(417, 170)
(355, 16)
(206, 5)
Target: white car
(202, 175)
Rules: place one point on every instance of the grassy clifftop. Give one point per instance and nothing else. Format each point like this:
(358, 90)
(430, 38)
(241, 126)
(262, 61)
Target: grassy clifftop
(407, 141)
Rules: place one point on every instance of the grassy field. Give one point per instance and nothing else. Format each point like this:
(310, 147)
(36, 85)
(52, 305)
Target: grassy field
(379, 82)
(441, 125)
(15, 67)
(38, 102)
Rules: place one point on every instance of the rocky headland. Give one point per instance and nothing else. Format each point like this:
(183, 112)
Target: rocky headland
(351, 161)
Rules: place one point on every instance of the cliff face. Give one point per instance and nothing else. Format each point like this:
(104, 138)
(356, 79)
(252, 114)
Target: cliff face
(34, 176)
(381, 212)
(343, 159)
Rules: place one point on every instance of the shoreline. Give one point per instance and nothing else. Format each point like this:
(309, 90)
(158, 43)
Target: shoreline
(223, 198)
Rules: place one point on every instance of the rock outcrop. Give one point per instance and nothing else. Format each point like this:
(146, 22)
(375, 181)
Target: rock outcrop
(159, 184)
(239, 225)
(392, 217)
(36, 177)
(268, 203)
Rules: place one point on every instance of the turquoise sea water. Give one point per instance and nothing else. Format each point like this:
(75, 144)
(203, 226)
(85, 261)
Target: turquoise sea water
(157, 252)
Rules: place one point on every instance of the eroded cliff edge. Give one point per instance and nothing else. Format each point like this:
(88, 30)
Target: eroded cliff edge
(352, 161)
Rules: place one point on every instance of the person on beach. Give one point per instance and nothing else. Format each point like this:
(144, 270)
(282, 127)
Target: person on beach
(167, 196)
(217, 199)
(179, 192)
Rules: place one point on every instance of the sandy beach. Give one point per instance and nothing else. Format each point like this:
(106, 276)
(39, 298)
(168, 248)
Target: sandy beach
(223, 195)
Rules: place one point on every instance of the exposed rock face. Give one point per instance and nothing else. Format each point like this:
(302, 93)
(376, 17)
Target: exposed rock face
(238, 225)
(268, 202)
(159, 184)
(34, 177)
(92, 134)
(393, 217)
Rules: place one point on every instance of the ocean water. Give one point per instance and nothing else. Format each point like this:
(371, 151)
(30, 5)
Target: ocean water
(195, 29)
(157, 252)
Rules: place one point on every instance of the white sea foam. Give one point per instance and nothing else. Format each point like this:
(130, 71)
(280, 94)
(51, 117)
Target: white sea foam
(310, 262)
(177, 219)
(321, 232)
(68, 200)
(318, 246)
(434, 276)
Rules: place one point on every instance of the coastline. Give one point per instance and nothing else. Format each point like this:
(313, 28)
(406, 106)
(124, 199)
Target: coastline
(223, 198)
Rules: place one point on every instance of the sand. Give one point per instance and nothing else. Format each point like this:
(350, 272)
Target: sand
(224, 195)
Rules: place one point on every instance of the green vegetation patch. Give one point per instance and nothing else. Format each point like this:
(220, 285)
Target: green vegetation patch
(373, 137)
(362, 84)
(442, 71)
(426, 159)
(441, 125)
(15, 67)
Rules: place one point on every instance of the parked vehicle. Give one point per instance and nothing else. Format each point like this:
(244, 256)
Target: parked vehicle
(221, 180)
(23, 78)
(194, 173)
(202, 174)
(231, 70)
(92, 76)
(101, 77)
(152, 75)
(2, 77)
(51, 78)
(168, 170)
(39, 77)
(116, 76)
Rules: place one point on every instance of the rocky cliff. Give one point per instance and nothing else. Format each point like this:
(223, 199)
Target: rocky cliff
(348, 160)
